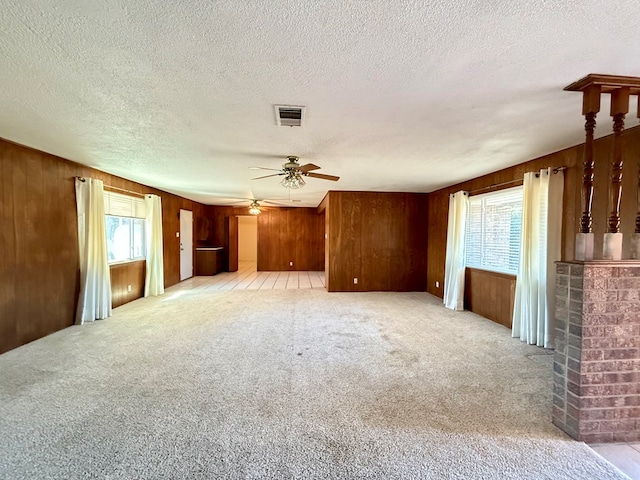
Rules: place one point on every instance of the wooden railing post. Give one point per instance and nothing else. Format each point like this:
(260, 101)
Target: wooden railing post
(584, 238)
(612, 245)
(620, 88)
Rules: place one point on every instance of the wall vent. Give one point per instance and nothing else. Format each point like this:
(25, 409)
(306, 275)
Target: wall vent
(289, 115)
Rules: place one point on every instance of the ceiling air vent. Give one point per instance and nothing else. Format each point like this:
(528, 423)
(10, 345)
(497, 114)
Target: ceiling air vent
(289, 115)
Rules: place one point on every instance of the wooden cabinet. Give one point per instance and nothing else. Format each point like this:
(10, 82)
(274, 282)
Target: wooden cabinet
(208, 260)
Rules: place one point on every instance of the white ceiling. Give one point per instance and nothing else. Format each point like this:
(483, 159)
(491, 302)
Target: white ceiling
(400, 95)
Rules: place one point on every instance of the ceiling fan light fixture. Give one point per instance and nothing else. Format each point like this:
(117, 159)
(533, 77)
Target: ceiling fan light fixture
(254, 208)
(293, 180)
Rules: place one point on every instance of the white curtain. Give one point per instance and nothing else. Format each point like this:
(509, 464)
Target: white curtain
(534, 306)
(454, 262)
(94, 301)
(154, 280)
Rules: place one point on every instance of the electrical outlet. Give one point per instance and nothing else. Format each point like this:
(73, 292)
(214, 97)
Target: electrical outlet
(128, 288)
(437, 284)
(291, 264)
(355, 280)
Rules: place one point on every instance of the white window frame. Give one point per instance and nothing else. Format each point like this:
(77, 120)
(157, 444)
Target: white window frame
(508, 236)
(118, 205)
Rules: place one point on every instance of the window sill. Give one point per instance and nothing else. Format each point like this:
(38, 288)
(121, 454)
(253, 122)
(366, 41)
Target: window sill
(493, 272)
(125, 262)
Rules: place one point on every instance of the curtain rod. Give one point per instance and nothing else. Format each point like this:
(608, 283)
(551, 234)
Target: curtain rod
(109, 187)
(512, 182)
(138, 194)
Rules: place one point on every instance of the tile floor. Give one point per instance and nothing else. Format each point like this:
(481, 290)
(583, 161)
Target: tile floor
(247, 278)
(624, 456)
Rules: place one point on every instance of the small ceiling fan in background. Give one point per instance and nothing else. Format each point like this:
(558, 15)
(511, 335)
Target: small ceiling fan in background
(293, 173)
(255, 206)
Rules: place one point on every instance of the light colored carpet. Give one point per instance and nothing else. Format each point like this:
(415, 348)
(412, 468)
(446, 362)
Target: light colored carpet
(287, 384)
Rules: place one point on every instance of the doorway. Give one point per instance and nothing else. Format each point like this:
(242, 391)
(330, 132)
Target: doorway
(248, 241)
(186, 244)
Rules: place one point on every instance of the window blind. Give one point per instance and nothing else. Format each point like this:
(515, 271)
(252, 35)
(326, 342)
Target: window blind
(494, 227)
(120, 205)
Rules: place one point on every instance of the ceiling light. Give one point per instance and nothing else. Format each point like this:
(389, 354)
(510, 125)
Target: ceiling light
(293, 179)
(254, 208)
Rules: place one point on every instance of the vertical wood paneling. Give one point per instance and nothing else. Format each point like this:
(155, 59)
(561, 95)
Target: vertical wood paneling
(8, 248)
(123, 275)
(490, 294)
(39, 273)
(323, 210)
(572, 205)
(344, 260)
(284, 235)
(231, 228)
(378, 238)
(288, 235)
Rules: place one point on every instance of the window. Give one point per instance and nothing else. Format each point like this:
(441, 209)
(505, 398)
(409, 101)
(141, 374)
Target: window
(124, 217)
(494, 225)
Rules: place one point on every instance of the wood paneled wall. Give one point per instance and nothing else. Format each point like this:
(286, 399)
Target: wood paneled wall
(490, 294)
(378, 238)
(218, 235)
(171, 206)
(288, 235)
(124, 275)
(284, 235)
(39, 273)
(572, 207)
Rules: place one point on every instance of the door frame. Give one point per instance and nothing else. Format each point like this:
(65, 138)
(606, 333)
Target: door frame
(231, 237)
(186, 248)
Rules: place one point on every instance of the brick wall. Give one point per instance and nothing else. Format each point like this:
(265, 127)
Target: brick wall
(597, 359)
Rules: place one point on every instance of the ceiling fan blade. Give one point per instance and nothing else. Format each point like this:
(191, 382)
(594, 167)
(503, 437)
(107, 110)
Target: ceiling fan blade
(322, 176)
(267, 176)
(283, 202)
(308, 167)
(265, 168)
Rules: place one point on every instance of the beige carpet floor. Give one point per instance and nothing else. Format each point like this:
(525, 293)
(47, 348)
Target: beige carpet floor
(287, 384)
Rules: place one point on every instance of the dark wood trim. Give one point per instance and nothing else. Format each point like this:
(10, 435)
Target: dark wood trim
(607, 83)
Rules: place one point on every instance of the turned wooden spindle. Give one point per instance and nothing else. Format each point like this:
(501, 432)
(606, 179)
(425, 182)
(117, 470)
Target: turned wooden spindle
(619, 108)
(586, 221)
(590, 108)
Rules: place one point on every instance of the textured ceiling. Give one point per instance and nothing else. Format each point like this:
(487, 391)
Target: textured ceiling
(400, 95)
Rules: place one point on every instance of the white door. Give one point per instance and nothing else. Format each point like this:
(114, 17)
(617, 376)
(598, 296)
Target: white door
(186, 244)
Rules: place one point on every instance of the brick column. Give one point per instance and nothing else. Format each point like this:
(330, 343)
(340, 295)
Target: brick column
(596, 379)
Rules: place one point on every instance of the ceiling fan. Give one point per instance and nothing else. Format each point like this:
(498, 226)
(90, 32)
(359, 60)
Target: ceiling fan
(294, 172)
(254, 206)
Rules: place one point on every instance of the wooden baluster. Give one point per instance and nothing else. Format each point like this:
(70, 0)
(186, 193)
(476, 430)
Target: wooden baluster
(590, 108)
(612, 246)
(586, 221)
(619, 108)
